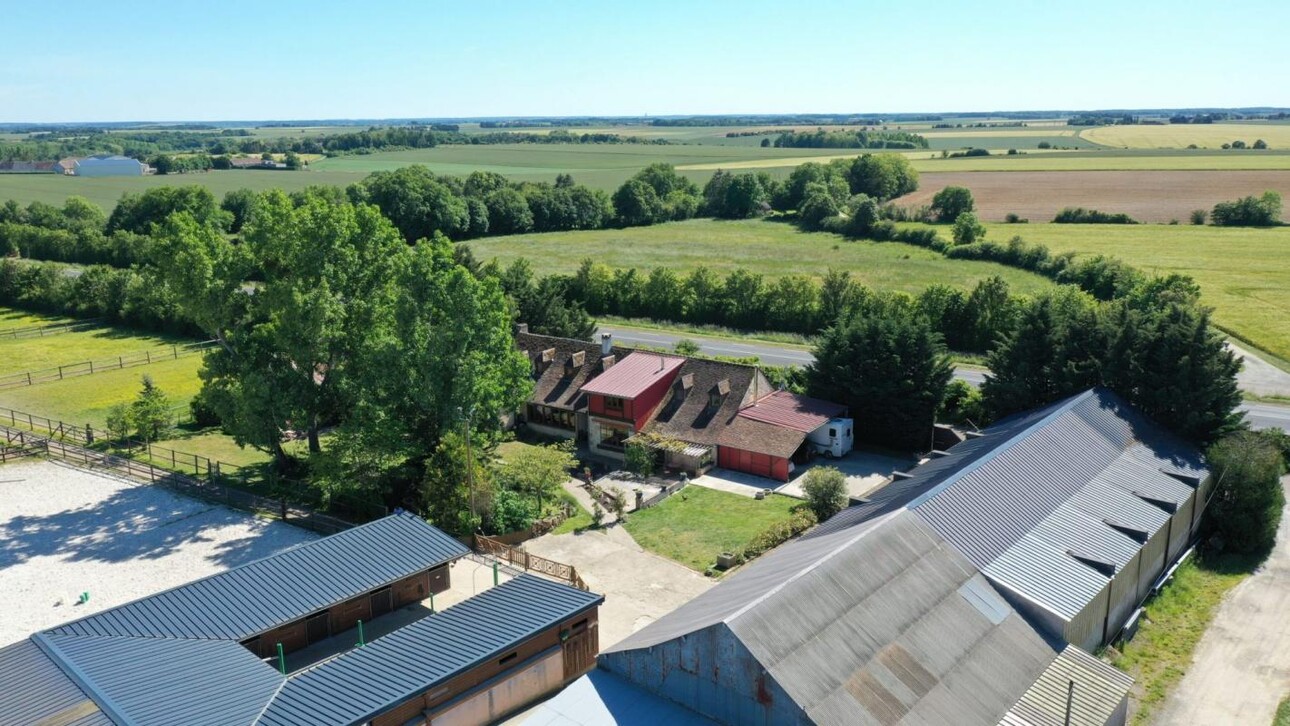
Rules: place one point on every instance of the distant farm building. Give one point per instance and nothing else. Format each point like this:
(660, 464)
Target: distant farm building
(108, 165)
(213, 652)
(27, 167)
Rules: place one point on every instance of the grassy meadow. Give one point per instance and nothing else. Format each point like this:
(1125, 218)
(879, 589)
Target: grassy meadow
(695, 525)
(770, 248)
(11, 319)
(91, 344)
(1242, 272)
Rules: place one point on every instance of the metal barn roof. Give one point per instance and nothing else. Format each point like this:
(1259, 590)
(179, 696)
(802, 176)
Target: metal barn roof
(364, 682)
(632, 375)
(35, 690)
(1044, 704)
(790, 410)
(259, 596)
(162, 681)
(877, 624)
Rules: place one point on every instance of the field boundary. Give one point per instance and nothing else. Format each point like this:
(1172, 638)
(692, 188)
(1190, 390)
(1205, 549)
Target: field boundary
(88, 368)
(293, 494)
(205, 489)
(40, 331)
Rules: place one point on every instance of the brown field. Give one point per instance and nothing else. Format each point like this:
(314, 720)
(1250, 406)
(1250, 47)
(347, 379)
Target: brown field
(1147, 196)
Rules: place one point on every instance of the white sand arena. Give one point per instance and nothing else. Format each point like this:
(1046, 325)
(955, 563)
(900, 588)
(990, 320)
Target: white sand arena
(65, 531)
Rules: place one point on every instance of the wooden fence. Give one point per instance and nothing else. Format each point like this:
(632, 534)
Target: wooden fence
(16, 445)
(40, 331)
(206, 489)
(529, 562)
(90, 367)
(195, 466)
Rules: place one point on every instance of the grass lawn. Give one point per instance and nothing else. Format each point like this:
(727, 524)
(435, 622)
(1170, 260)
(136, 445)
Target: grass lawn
(87, 399)
(1159, 654)
(11, 318)
(580, 520)
(761, 246)
(1242, 272)
(78, 346)
(1283, 713)
(696, 524)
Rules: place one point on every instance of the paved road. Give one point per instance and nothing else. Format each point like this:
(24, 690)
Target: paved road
(1260, 415)
(1241, 668)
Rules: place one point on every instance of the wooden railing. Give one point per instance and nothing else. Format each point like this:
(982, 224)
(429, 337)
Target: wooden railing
(90, 367)
(529, 562)
(40, 331)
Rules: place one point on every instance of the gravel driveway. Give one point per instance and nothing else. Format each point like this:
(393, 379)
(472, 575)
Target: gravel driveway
(1241, 669)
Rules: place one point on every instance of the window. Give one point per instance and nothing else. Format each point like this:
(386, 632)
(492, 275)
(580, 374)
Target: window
(613, 403)
(714, 400)
(508, 659)
(833, 433)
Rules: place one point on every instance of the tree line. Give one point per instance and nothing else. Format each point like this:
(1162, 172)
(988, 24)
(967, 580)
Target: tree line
(848, 139)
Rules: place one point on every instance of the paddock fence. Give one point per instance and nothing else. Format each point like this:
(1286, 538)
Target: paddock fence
(90, 367)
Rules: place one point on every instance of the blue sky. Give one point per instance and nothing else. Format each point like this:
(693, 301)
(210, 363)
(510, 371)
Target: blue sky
(177, 60)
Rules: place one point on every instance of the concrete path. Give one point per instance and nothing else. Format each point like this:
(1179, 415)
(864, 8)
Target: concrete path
(639, 586)
(1259, 376)
(1241, 669)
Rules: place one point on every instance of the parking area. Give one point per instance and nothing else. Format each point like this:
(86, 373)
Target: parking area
(66, 531)
(864, 470)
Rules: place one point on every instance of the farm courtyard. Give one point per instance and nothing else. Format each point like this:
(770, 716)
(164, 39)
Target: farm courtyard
(66, 531)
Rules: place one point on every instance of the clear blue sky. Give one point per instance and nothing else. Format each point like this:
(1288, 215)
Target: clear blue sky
(278, 59)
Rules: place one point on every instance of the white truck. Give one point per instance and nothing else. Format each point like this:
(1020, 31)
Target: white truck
(834, 439)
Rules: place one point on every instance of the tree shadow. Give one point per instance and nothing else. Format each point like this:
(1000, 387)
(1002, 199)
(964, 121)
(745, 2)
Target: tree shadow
(134, 523)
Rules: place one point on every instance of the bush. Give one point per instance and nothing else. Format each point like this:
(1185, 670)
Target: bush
(203, 413)
(1260, 144)
(963, 405)
(778, 533)
(826, 491)
(639, 459)
(1045, 145)
(1199, 216)
(968, 229)
(1246, 506)
(1079, 215)
(1264, 211)
(951, 202)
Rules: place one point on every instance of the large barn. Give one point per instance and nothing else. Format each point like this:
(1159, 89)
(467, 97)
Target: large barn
(1073, 511)
(214, 652)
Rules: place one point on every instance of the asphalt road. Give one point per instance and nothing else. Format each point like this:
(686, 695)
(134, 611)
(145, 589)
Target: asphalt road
(1260, 415)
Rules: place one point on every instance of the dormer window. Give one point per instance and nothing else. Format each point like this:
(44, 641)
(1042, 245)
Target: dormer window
(718, 393)
(573, 363)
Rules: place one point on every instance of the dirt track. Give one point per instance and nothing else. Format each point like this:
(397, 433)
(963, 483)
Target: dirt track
(1147, 196)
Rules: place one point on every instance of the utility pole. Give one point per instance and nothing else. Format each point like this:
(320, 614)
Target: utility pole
(470, 461)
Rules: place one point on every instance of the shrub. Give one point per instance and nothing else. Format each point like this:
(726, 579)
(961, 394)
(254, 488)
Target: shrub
(639, 459)
(1045, 145)
(963, 405)
(1012, 218)
(1199, 216)
(951, 202)
(1264, 211)
(1260, 144)
(1012, 152)
(1079, 215)
(778, 533)
(1247, 500)
(203, 413)
(597, 514)
(826, 491)
(686, 347)
(968, 229)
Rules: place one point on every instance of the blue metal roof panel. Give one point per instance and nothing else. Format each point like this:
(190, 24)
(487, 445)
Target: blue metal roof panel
(367, 681)
(33, 688)
(164, 681)
(261, 595)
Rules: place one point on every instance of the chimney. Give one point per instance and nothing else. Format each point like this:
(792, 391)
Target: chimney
(606, 343)
(521, 328)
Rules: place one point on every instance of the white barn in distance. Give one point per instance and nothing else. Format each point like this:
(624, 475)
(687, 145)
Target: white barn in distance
(108, 165)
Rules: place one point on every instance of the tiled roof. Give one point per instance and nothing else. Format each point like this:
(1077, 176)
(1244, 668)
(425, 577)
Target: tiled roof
(687, 412)
(630, 376)
(554, 385)
(760, 437)
(790, 410)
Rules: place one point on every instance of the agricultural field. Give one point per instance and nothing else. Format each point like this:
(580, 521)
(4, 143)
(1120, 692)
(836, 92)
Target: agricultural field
(87, 399)
(11, 319)
(1147, 196)
(1242, 272)
(106, 191)
(761, 246)
(90, 344)
(1180, 136)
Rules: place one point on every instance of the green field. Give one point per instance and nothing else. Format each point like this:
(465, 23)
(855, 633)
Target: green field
(770, 248)
(54, 188)
(93, 344)
(1242, 272)
(695, 525)
(11, 319)
(87, 399)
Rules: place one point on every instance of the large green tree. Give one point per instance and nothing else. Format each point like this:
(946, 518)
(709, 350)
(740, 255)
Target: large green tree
(889, 367)
(1248, 498)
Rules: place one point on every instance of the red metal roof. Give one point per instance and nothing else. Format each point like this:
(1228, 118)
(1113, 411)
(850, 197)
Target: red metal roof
(630, 376)
(792, 411)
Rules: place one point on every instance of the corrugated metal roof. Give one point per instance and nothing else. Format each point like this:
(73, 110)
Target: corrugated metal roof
(632, 375)
(364, 682)
(33, 688)
(1046, 574)
(256, 597)
(874, 624)
(165, 681)
(790, 410)
(1097, 694)
(601, 698)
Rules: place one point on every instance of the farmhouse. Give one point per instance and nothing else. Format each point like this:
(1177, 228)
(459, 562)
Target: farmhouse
(212, 652)
(108, 165)
(695, 413)
(1074, 511)
(27, 167)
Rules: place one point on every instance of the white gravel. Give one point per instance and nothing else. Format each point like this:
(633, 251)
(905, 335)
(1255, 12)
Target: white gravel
(64, 531)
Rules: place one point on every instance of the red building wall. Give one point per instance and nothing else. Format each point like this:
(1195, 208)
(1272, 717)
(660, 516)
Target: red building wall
(751, 462)
(638, 409)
